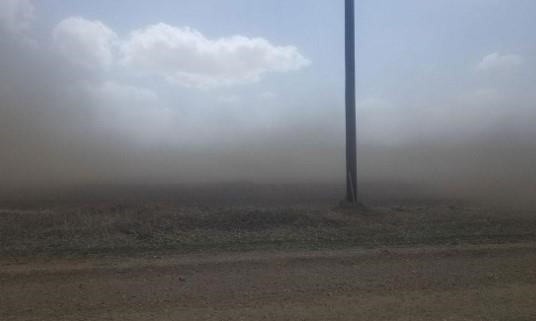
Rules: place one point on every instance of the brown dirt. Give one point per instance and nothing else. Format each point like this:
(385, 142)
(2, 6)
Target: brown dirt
(480, 282)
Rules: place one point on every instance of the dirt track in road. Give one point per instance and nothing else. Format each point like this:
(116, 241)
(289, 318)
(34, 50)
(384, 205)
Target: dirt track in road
(495, 282)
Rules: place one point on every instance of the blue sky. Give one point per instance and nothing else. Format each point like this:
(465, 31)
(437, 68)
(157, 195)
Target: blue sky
(407, 50)
(392, 34)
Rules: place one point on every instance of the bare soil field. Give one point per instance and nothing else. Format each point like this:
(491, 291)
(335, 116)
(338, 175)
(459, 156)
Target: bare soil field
(440, 283)
(262, 253)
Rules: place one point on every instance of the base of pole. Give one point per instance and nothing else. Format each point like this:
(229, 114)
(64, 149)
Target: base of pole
(357, 207)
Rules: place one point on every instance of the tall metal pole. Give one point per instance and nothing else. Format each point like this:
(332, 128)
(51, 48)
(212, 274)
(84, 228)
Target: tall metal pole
(351, 121)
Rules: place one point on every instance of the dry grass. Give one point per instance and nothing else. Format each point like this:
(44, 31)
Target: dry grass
(125, 227)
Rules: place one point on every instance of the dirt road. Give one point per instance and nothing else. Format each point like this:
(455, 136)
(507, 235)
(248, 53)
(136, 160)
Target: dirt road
(496, 282)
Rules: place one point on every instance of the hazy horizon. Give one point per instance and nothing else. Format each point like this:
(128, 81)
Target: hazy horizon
(166, 92)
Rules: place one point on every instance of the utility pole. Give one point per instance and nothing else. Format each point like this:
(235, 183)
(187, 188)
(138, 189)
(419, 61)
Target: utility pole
(351, 121)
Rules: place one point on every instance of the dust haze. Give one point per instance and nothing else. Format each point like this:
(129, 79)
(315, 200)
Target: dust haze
(57, 130)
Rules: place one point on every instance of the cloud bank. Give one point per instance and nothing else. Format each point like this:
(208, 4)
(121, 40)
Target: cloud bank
(187, 57)
(84, 42)
(183, 56)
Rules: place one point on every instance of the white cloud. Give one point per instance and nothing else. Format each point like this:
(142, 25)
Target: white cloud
(16, 16)
(84, 42)
(190, 59)
(497, 61)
